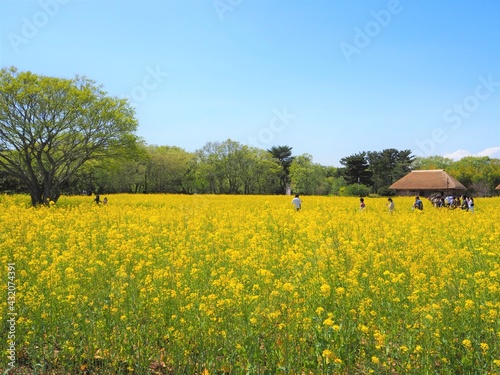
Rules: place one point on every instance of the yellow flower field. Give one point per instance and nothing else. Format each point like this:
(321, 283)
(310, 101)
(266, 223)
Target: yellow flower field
(171, 284)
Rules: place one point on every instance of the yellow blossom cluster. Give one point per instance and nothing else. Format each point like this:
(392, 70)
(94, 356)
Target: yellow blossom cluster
(247, 284)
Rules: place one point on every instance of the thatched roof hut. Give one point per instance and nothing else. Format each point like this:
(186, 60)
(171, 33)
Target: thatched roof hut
(426, 183)
(498, 187)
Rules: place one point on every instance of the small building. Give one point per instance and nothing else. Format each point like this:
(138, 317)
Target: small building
(498, 187)
(428, 182)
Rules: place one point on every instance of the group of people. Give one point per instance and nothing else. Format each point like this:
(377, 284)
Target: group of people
(390, 204)
(297, 203)
(97, 199)
(467, 203)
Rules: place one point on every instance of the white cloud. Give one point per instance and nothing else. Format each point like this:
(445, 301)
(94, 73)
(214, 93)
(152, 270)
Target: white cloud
(457, 155)
(492, 152)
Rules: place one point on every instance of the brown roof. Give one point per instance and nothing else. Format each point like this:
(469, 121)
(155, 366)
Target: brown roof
(498, 187)
(428, 180)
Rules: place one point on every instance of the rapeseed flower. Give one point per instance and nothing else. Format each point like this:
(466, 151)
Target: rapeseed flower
(208, 281)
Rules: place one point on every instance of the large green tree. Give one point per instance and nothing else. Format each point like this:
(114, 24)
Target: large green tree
(307, 177)
(388, 166)
(480, 175)
(284, 156)
(231, 168)
(50, 127)
(432, 162)
(168, 169)
(356, 169)
(112, 174)
(218, 167)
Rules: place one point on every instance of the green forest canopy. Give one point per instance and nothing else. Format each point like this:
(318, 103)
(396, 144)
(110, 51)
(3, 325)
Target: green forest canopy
(67, 136)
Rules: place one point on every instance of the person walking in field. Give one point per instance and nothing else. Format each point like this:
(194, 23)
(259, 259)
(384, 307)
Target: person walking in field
(419, 205)
(390, 205)
(297, 202)
(470, 202)
(465, 203)
(362, 204)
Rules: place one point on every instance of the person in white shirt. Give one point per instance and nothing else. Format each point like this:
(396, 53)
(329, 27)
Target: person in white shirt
(471, 204)
(297, 202)
(390, 205)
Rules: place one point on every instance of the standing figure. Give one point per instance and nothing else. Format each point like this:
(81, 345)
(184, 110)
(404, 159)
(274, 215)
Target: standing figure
(297, 202)
(362, 204)
(390, 205)
(465, 203)
(419, 205)
(471, 204)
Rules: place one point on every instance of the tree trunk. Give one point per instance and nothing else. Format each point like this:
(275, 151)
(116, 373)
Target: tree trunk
(36, 195)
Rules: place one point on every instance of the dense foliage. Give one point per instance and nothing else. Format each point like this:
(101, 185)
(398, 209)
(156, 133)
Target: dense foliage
(50, 127)
(66, 136)
(232, 168)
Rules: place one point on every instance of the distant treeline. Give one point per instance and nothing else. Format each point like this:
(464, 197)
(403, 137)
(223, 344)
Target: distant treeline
(230, 167)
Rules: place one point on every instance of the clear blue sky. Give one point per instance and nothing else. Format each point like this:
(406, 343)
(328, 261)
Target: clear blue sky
(329, 78)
